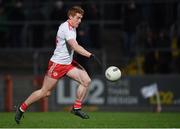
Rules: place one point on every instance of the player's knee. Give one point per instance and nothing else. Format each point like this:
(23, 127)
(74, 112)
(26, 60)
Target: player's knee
(87, 82)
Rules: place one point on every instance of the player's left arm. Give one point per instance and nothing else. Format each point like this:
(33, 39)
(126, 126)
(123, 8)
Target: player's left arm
(78, 48)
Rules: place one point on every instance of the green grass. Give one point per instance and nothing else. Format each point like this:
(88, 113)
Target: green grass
(97, 120)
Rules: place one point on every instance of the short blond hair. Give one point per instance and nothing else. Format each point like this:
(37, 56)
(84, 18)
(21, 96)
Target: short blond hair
(75, 9)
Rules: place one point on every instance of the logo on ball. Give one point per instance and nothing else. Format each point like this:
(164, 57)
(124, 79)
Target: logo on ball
(113, 73)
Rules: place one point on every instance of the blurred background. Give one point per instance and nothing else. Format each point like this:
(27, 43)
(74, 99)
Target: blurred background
(141, 37)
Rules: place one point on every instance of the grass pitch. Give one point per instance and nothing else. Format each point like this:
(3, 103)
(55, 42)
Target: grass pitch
(97, 120)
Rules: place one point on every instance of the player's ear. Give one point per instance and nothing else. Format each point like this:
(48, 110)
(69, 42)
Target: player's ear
(70, 16)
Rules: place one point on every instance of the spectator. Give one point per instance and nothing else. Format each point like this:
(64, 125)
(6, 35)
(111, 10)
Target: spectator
(157, 22)
(175, 48)
(3, 27)
(165, 57)
(17, 16)
(93, 15)
(150, 61)
(38, 29)
(84, 36)
(58, 14)
(131, 20)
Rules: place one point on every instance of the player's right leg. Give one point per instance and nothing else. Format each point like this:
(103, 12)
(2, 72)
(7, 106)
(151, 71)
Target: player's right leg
(48, 85)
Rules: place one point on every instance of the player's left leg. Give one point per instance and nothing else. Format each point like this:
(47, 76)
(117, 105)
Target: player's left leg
(80, 75)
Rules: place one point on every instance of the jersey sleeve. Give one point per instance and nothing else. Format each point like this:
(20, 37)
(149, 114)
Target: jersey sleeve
(69, 34)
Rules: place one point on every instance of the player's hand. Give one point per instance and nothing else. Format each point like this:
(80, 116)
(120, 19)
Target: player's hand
(96, 59)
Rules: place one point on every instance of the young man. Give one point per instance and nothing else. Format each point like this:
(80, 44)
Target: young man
(61, 64)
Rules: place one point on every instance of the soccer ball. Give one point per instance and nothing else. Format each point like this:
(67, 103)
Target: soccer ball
(113, 73)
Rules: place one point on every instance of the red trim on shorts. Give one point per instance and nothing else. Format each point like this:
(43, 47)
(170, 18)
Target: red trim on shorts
(57, 71)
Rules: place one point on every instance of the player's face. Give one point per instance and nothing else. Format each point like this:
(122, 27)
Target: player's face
(76, 20)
